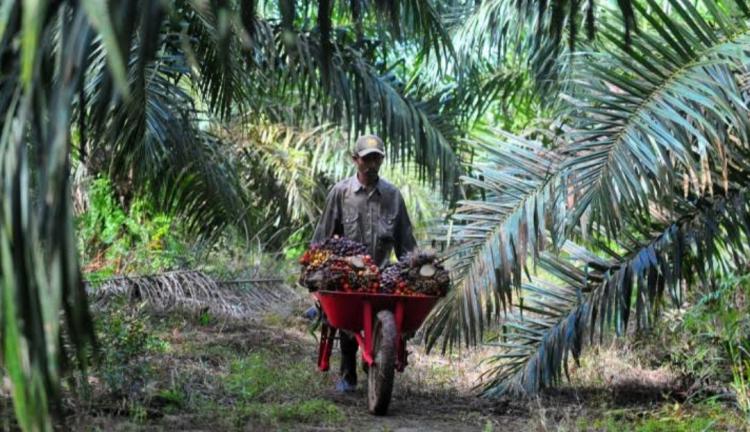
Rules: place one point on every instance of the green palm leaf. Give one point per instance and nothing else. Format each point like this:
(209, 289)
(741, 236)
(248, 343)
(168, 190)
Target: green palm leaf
(284, 80)
(419, 19)
(298, 164)
(495, 236)
(38, 259)
(151, 144)
(218, 56)
(551, 321)
(278, 159)
(530, 35)
(359, 98)
(657, 112)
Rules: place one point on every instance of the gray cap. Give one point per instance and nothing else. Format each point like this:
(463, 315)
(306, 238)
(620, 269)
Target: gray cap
(367, 144)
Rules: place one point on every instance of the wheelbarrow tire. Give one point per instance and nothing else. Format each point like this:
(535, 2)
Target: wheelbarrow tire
(381, 373)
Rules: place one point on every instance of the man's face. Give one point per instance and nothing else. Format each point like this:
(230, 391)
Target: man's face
(369, 165)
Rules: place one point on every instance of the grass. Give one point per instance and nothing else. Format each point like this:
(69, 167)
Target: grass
(616, 388)
(176, 371)
(259, 376)
(313, 411)
(274, 394)
(173, 398)
(704, 416)
(245, 384)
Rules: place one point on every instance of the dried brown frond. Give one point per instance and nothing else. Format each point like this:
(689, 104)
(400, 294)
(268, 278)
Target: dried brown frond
(195, 291)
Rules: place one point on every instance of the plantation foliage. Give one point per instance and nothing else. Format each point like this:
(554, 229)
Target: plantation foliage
(583, 165)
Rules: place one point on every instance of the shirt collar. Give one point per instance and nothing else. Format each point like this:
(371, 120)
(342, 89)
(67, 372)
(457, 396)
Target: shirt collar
(356, 186)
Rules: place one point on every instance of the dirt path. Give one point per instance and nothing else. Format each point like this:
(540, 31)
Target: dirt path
(431, 395)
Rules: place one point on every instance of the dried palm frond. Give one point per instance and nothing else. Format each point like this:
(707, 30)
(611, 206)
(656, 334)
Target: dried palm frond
(194, 291)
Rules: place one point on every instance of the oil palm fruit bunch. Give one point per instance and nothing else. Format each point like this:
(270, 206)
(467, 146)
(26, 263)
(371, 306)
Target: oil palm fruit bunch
(342, 246)
(418, 273)
(314, 257)
(393, 278)
(426, 274)
(364, 275)
(339, 264)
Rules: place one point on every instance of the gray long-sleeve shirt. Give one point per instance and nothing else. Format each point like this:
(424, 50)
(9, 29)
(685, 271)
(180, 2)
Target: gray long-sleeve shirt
(377, 218)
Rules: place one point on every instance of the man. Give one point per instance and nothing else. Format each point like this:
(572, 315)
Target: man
(367, 209)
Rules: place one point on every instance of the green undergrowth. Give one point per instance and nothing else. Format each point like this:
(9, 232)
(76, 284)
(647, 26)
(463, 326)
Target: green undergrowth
(137, 239)
(707, 347)
(127, 342)
(704, 416)
(274, 392)
(313, 411)
(709, 343)
(171, 371)
(115, 240)
(154, 369)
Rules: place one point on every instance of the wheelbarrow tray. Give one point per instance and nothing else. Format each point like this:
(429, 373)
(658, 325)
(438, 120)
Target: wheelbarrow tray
(346, 310)
(369, 317)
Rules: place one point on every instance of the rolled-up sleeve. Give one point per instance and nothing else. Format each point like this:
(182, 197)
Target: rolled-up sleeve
(330, 221)
(404, 235)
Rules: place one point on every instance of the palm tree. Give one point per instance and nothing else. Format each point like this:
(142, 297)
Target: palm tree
(639, 195)
(135, 91)
(649, 144)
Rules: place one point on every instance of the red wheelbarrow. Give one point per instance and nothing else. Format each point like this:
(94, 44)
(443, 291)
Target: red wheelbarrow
(381, 323)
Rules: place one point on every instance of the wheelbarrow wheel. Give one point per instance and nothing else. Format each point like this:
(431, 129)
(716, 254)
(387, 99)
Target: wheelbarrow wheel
(380, 375)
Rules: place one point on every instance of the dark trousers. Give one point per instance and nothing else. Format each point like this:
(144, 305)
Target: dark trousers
(349, 349)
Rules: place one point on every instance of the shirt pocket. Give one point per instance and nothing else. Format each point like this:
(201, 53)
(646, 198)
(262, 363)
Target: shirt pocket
(388, 228)
(351, 226)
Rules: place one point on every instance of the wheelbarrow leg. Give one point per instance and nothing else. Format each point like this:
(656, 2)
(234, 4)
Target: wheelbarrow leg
(401, 360)
(326, 346)
(365, 342)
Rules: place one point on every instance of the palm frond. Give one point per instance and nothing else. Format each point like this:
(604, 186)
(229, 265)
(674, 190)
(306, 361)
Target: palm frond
(656, 112)
(556, 17)
(41, 289)
(523, 36)
(298, 164)
(420, 19)
(219, 52)
(284, 81)
(477, 89)
(495, 236)
(278, 159)
(424, 202)
(151, 144)
(405, 22)
(194, 292)
(487, 28)
(536, 341)
(359, 98)
(600, 295)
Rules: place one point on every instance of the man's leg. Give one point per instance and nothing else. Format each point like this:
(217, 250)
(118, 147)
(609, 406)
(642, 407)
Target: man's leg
(349, 349)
